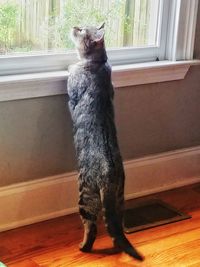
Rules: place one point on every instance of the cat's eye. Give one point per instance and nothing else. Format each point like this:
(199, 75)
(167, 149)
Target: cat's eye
(77, 29)
(81, 30)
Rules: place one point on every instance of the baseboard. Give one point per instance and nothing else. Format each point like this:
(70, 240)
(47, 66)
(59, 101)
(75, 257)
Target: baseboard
(51, 197)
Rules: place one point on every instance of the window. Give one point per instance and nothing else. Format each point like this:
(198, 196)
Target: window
(35, 25)
(34, 33)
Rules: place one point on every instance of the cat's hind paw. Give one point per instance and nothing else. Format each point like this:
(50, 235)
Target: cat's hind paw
(87, 247)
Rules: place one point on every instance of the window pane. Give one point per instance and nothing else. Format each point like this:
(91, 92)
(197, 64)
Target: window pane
(43, 25)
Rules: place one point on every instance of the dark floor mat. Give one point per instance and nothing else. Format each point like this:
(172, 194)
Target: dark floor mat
(196, 188)
(151, 213)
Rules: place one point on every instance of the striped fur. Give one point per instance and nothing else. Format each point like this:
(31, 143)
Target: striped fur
(101, 179)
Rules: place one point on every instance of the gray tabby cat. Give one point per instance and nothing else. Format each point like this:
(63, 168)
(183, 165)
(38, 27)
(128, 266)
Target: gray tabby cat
(101, 179)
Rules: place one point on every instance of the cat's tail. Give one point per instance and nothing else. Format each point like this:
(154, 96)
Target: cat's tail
(113, 217)
(123, 244)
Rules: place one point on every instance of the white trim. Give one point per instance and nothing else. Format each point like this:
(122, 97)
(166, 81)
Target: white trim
(15, 87)
(182, 26)
(138, 74)
(162, 29)
(55, 196)
(187, 29)
(37, 63)
(21, 89)
(173, 30)
(39, 218)
(34, 77)
(18, 64)
(159, 189)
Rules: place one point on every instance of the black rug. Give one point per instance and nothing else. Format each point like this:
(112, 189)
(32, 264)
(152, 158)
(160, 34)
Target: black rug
(151, 213)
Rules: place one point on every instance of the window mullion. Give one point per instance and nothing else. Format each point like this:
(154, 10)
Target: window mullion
(162, 28)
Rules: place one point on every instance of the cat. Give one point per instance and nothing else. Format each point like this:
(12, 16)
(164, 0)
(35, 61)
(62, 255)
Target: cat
(101, 173)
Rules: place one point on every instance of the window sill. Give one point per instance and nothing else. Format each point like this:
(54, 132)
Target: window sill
(13, 87)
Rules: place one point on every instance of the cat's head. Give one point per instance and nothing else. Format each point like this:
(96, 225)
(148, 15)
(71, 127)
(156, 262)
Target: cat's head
(89, 41)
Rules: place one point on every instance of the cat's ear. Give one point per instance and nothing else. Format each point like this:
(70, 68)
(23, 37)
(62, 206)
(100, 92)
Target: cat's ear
(99, 36)
(101, 26)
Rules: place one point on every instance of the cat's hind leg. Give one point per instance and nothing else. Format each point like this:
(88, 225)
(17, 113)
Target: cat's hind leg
(113, 221)
(89, 206)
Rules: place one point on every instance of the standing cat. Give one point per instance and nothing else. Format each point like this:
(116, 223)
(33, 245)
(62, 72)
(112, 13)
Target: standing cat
(101, 178)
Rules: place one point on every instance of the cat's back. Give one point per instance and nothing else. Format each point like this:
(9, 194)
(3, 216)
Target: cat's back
(89, 87)
(82, 74)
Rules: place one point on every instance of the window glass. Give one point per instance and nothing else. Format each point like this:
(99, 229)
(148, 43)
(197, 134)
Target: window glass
(38, 26)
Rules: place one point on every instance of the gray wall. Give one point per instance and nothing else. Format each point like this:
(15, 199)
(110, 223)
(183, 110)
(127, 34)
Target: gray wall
(36, 134)
(35, 139)
(159, 117)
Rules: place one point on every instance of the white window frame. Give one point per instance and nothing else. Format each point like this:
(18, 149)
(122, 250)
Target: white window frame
(176, 28)
(30, 76)
(182, 27)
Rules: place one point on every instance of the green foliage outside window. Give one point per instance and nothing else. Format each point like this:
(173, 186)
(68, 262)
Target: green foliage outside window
(44, 25)
(8, 21)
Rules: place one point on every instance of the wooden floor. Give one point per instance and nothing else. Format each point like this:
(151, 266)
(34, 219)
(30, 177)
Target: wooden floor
(54, 243)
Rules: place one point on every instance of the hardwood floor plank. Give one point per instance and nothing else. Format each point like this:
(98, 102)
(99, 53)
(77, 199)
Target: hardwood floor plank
(146, 236)
(54, 243)
(195, 264)
(40, 237)
(181, 255)
(26, 263)
(151, 250)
